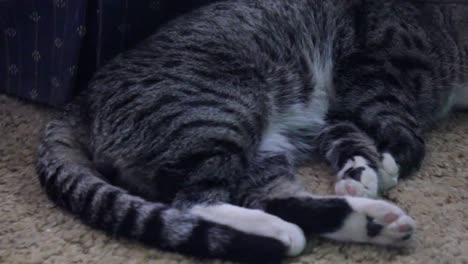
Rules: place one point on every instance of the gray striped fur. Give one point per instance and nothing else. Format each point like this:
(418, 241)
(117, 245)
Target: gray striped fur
(216, 110)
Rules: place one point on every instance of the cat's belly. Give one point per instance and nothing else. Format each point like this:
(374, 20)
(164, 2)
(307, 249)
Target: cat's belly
(292, 132)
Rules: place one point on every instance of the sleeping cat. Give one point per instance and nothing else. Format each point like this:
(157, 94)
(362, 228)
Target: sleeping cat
(189, 142)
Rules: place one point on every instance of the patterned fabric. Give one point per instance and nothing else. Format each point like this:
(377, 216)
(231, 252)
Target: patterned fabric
(50, 48)
(39, 48)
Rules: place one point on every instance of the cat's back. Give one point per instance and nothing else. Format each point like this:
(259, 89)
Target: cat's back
(228, 57)
(236, 41)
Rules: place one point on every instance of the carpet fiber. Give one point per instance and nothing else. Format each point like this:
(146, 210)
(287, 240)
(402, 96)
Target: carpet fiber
(33, 230)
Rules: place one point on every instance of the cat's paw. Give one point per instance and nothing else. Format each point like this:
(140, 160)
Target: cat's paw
(385, 223)
(375, 222)
(389, 172)
(255, 222)
(357, 178)
(351, 188)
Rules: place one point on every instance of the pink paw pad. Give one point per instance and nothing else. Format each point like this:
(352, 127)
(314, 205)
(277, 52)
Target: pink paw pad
(391, 217)
(404, 228)
(351, 190)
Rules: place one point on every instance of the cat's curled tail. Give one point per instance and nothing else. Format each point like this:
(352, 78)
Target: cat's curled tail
(70, 179)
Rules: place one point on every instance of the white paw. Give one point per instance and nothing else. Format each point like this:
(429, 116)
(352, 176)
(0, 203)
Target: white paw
(389, 172)
(357, 178)
(385, 223)
(291, 235)
(255, 222)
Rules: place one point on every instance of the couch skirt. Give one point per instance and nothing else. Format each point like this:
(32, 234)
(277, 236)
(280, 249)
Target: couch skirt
(50, 48)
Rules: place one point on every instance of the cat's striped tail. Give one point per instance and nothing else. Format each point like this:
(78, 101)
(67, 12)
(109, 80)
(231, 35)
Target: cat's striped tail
(70, 180)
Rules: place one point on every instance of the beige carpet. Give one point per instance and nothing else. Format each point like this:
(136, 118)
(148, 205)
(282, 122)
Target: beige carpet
(32, 230)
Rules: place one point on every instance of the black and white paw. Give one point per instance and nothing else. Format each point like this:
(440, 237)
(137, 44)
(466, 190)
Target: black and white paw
(255, 222)
(376, 222)
(389, 172)
(357, 178)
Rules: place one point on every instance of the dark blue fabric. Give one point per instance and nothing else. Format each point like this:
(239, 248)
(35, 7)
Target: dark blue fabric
(50, 48)
(39, 48)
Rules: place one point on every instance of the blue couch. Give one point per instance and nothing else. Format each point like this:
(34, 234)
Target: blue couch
(50, 48)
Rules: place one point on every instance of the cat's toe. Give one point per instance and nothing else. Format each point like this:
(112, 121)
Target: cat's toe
(293, 237)
(288, 233)
(350, 188)
(396, 233)
(389, 172)
(386, 223)
(401, 229)
(389, 164)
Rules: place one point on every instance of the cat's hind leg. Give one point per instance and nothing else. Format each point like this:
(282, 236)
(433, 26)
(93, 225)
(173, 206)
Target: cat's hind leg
(210, 191)
(253, 228)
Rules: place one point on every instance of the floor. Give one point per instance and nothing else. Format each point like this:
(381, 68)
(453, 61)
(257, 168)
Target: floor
(33, 230)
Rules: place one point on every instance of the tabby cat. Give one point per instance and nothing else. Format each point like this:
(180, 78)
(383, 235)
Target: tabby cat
(189, 141)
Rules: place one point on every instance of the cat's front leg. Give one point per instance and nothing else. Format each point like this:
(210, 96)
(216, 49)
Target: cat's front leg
(361, 170)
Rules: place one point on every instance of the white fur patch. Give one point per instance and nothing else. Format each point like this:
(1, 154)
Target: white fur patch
(297, 117)
(389, 172)
(396, 224)
(255, 222)
(273, 141)
(309, 117)
(366, 187)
